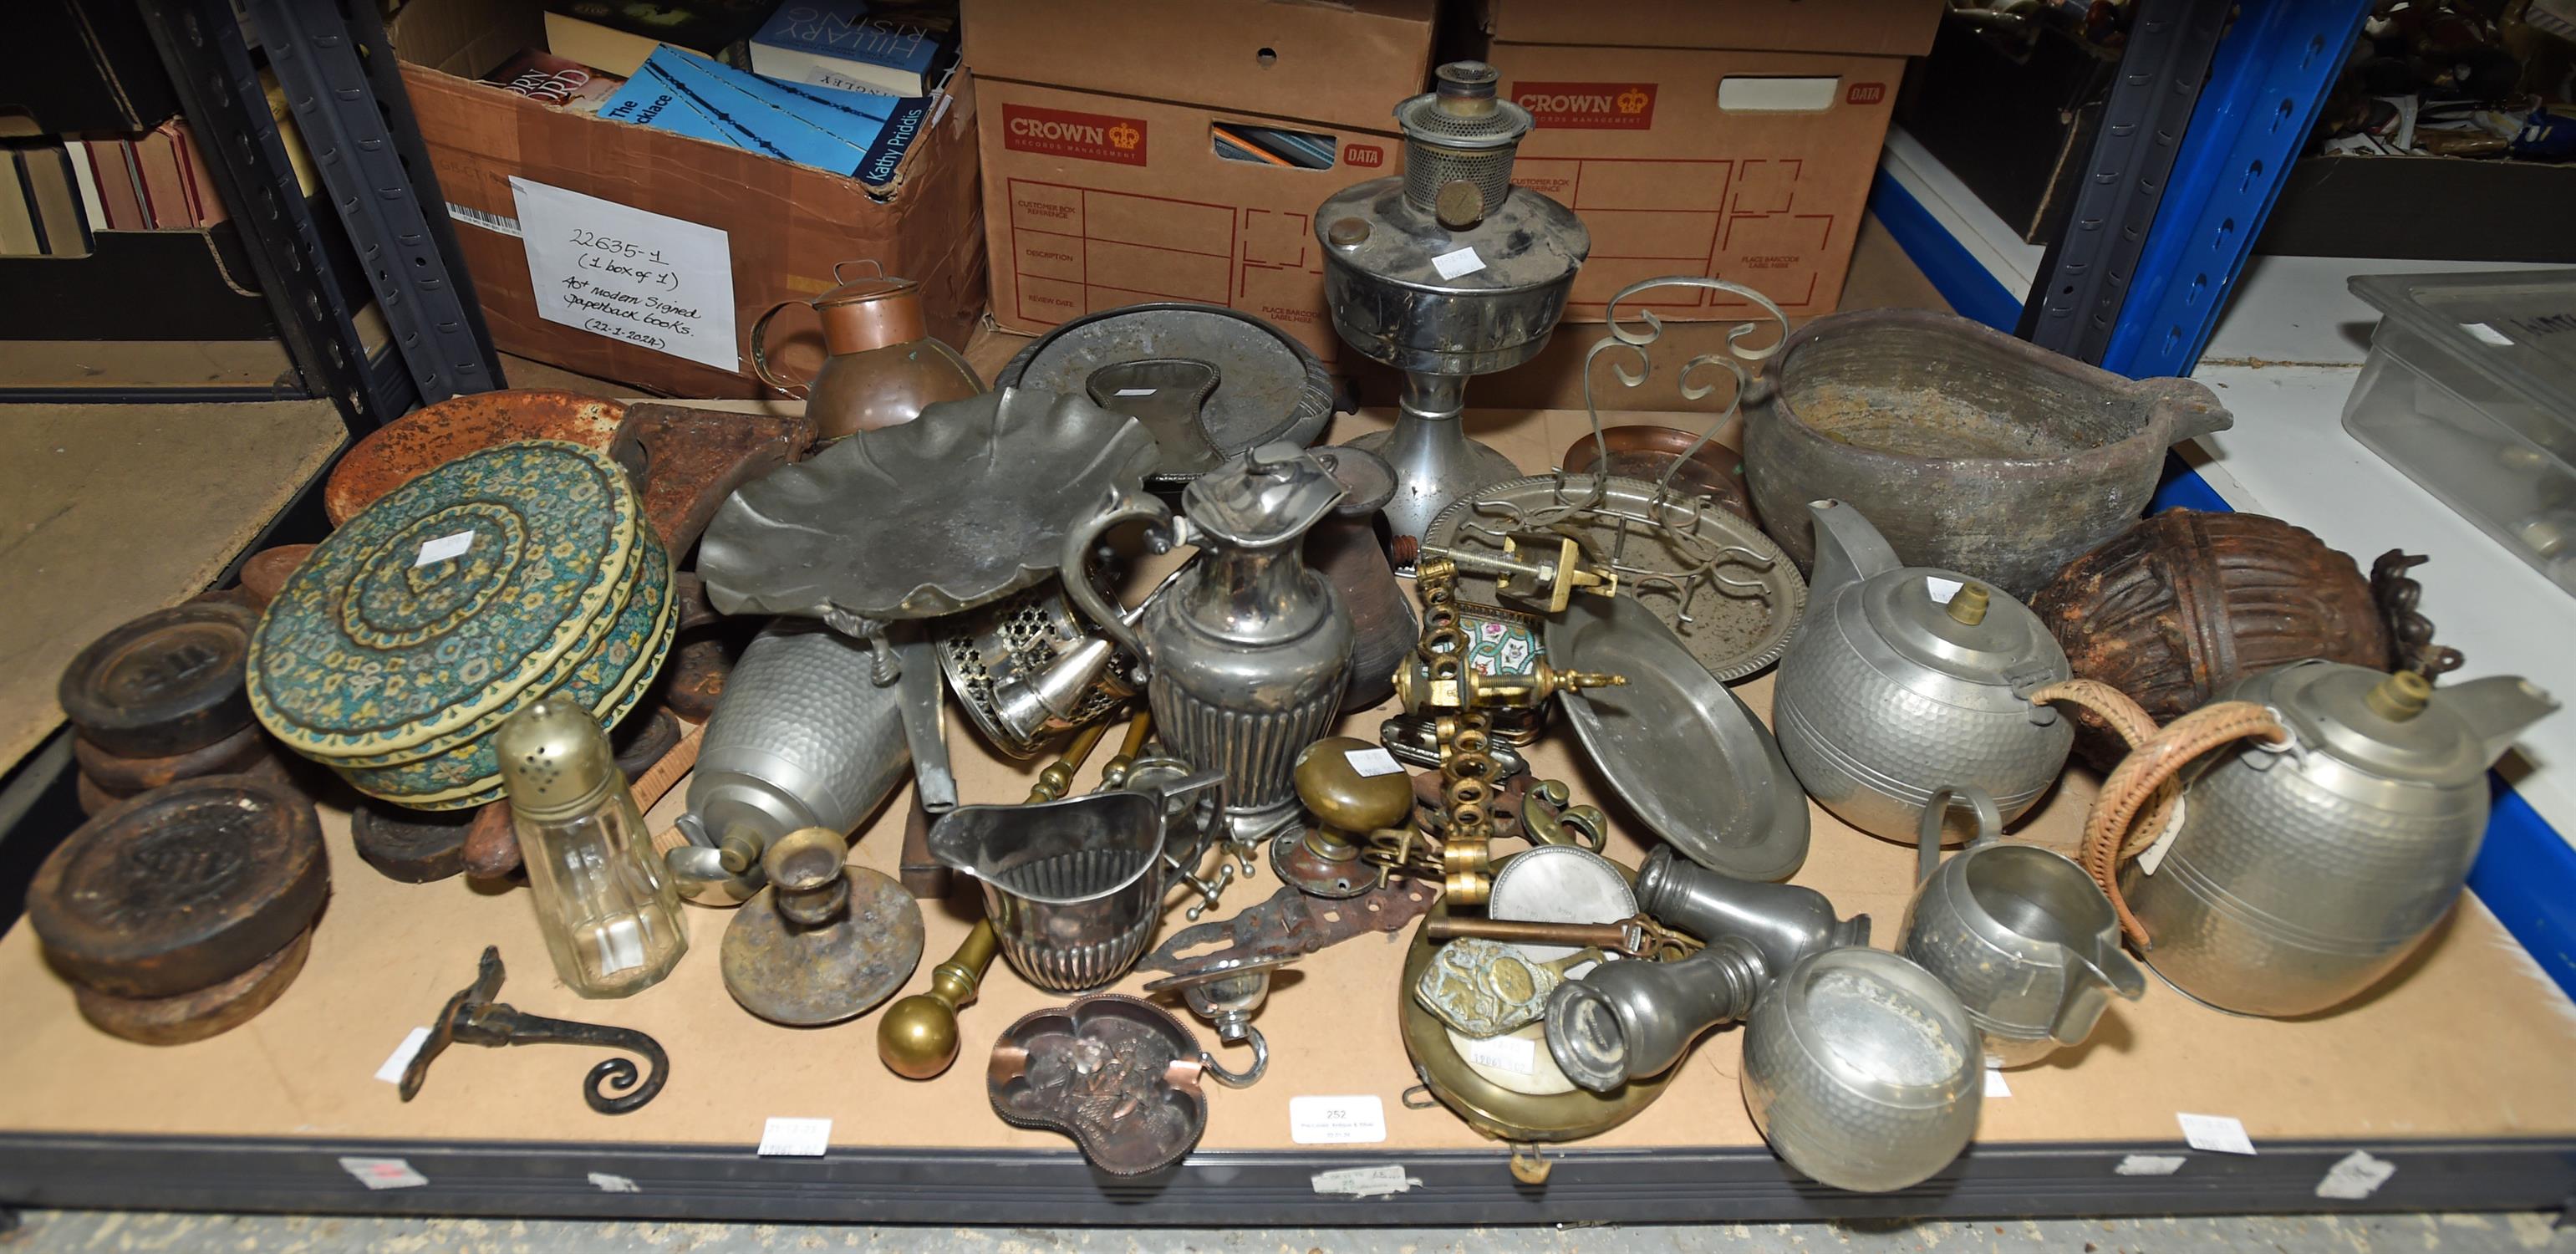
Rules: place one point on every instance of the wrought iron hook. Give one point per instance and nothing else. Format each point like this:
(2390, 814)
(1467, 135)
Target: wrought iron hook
(471, 1017)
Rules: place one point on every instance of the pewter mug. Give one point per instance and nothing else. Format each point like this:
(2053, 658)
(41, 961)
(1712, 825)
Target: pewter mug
(1903, 680)
(803, 737)
(2302, 872)
(1861, 1070)
(1247, 652)
(2019, 932)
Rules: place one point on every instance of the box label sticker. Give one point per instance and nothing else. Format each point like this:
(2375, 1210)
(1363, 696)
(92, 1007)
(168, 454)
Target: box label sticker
(1364, 1181)
(795, 1138)
(643, 278)
(1354, 1120)
(2148, 1165)
(1588, 106)
(2355, 1176)
(400, 1060)
(1455, 263)
(1069, 133)
(1372, 762)
(2219, 1134)
(1515, 1054)
(383, 1173)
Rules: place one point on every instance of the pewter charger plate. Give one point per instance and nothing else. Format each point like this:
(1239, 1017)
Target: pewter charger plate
(1654, 739)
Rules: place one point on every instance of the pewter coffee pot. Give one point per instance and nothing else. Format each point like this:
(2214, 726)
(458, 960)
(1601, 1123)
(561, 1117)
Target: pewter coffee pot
(2020, 933)
(1246, 654)
(1904, 680)
(2309, 863)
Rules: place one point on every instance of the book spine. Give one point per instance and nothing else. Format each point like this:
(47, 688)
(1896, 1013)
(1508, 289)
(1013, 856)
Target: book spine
(885, 156)
(85, 177)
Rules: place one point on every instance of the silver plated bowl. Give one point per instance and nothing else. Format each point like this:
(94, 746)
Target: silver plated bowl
(956, 509)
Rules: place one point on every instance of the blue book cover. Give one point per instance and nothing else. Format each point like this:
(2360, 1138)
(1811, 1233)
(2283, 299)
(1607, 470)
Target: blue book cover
(648, 99)
(850, 115)
(758, 126)
(886, 47)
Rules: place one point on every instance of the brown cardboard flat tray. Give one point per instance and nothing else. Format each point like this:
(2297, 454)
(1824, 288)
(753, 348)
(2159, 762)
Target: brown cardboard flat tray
(2457, 1074)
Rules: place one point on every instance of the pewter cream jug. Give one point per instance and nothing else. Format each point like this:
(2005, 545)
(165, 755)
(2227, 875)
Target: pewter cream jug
(2307, 864)
(1903, 680)
(1247, 653)
(2020, 933)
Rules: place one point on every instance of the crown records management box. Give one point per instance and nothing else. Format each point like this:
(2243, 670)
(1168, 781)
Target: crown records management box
(1099, 130)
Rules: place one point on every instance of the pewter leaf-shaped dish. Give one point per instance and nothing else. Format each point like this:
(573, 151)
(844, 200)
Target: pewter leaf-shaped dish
(960, 507)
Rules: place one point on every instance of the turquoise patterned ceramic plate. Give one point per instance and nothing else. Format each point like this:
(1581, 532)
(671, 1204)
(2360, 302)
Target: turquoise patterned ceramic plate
(608, 683)
(446, 599)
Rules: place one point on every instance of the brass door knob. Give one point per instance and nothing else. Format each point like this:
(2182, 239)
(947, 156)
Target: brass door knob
(1348, 804)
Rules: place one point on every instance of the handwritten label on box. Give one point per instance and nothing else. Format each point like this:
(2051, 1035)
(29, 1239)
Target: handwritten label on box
(634, 276)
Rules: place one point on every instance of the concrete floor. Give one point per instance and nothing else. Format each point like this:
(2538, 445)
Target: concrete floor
(101, 1232)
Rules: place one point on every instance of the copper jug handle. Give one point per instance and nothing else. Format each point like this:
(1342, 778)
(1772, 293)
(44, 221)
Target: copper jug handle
(760, 350)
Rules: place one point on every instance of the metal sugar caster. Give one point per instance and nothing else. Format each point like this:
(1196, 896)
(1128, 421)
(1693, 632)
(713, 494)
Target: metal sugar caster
(1445, 272)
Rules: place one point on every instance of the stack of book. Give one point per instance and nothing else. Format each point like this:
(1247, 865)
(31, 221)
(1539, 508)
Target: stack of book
(57, 193)
(841, 85)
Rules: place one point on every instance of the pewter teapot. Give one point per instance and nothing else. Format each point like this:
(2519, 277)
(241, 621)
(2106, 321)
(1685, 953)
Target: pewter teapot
(2020, 933)
(2307, 865)
(1904, 680)
(1247, 652)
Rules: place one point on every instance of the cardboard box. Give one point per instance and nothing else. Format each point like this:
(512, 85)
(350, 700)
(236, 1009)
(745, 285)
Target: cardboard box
(786, 225)
(1095, 200)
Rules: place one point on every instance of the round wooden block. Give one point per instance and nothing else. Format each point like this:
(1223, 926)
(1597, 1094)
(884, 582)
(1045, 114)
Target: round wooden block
(491, 843)
(94, 799)
(413, 846)
(181, 888)
(164, 684)
(211, 1011)
(264, 572)
(123, 776)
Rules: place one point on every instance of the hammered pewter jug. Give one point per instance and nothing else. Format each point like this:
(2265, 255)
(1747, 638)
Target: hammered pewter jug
(1903, 680)
(803, 737)
(1245, 656)
(1861, 1070)
(2309, 864)
(1074, 887)
(2019, 932)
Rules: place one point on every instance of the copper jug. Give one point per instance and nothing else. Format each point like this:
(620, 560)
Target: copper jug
(883, 365)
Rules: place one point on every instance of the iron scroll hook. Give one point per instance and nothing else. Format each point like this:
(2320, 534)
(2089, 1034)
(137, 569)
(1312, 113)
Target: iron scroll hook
(614, 1087)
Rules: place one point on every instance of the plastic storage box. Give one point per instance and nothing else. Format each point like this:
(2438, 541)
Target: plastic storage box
(2470, 388)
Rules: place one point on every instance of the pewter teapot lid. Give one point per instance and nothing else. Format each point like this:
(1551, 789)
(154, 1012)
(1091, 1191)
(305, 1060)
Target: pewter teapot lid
(1938, 619)
(1271, 494)
(2398, 726)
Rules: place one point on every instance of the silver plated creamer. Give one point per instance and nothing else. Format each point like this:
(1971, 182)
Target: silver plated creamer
(1903, 680)
(2021, 934)
(1247, 653)
(2305, 869)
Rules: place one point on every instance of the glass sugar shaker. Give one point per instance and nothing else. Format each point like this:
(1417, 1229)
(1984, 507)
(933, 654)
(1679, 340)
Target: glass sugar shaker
(608, 906)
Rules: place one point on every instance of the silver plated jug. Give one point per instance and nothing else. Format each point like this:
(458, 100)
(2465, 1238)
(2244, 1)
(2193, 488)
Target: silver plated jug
(803, 737)
(2020, 933)
(1903, 680)
(2307, 865)
(1247, 653)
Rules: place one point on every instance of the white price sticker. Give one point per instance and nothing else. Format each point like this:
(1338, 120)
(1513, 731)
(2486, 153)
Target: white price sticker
(637, 277)
(1364, 1181)
(1941, 589)
(2487, 335)
(2355, 1176)
(2153, 856)
(1995, 1086)
(400, 1060)
(2219, 1134)
(1515, 1054)
(1135, 392)
(1373, 762)
(795, 1138)
(383, 1173)
(444, 548)
(2148, 1165)
(1355, 1120)
(607, 1183)
(1453, 264)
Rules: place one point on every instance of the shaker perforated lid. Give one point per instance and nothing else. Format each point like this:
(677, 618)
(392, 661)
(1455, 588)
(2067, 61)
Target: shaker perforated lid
(555, 759)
